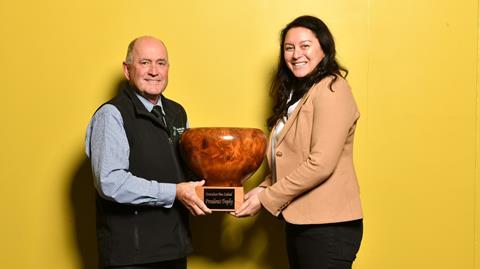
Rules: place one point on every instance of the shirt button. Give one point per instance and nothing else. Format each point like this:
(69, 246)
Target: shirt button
(279, 154)
(136, 212)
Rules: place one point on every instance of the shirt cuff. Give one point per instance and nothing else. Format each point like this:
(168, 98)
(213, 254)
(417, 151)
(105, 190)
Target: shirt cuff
(166, 194)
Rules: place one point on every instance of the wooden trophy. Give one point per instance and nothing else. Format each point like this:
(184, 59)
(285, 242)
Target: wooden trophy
(225, 158)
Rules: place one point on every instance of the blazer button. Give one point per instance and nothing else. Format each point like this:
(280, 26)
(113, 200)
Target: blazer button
(279, 154)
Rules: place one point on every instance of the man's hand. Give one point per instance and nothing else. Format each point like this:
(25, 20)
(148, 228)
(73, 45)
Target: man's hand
(186, 194)
(251, 206)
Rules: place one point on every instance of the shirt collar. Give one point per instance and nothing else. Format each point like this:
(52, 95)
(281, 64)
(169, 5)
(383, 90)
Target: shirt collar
(149, 106)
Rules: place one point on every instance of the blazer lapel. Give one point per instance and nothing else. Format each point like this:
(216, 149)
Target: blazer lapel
(292, 117)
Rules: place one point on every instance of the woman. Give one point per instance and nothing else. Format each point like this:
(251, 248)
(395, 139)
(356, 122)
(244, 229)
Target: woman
(312, 185)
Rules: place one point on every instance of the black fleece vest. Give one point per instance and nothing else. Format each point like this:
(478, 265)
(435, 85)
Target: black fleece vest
(130, 234)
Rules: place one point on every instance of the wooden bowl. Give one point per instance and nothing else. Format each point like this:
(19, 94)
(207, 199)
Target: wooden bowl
(223, 156)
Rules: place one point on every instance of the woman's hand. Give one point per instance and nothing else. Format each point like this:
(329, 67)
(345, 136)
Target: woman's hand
(251, 206)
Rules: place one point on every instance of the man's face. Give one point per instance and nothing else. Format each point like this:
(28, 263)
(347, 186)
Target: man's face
(148, 68)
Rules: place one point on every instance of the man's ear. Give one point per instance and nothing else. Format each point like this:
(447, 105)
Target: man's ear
(125, 71)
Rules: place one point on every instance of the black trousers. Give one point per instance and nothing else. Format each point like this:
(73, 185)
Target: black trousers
(323, 246)
(173, 264)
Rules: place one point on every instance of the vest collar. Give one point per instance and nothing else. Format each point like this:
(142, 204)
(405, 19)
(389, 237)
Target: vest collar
(139, 107)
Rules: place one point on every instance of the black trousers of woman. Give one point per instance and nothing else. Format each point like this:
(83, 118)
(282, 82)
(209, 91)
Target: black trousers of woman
(323, 246)
(173, 264)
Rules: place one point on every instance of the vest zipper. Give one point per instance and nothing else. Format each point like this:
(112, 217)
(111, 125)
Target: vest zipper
(135, 234)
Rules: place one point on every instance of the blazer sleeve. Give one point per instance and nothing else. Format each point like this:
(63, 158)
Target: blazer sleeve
(266, 182)
(334, 113)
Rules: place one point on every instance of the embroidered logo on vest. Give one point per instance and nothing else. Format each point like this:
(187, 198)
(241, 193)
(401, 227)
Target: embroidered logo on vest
(177, 131)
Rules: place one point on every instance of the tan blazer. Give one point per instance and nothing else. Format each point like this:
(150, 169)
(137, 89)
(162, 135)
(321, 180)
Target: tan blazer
(316, 181)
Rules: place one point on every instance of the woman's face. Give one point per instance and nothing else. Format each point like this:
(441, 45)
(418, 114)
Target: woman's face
(302, 51)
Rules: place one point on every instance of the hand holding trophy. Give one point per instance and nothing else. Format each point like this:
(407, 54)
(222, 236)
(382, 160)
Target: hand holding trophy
(225, 158)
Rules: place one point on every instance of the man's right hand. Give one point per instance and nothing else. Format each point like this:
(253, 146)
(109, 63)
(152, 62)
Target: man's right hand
(186, 194)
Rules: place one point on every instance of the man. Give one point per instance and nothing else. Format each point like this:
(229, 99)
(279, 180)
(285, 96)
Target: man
(132, 144)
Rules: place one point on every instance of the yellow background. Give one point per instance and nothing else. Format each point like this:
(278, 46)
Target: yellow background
(413, 69)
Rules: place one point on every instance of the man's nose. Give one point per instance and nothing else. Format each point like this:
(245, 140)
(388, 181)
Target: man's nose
(153, 70)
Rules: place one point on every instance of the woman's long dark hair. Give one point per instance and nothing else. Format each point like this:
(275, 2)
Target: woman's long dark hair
(284, 81)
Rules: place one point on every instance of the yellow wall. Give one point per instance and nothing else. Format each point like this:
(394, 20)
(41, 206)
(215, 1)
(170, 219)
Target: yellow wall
(413, 68)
